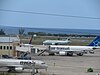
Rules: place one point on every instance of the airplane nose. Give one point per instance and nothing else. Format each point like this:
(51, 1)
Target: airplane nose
(46, 66)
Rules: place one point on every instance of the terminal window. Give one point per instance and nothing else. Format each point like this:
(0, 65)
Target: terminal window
(7, 47)
(10, 47)
(1, 47)
(4, 47)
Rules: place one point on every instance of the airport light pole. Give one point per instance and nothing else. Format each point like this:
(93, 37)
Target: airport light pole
(33, 68)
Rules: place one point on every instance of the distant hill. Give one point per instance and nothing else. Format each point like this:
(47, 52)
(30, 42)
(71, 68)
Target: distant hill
(10, 30)
(15, 30)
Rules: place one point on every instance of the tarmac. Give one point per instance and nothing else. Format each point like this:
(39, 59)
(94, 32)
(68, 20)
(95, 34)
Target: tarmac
(66, 65)
(75, 65)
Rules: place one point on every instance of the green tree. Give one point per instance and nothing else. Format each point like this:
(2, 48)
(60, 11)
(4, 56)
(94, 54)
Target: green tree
(2, 32)
(21, 31)
(31, 33)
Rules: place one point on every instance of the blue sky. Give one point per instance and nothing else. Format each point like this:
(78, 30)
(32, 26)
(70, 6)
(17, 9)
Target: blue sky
(85, 8)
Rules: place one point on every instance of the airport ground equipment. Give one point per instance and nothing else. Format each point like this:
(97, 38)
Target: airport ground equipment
(24, 56)
(42, 52)
(90, 70)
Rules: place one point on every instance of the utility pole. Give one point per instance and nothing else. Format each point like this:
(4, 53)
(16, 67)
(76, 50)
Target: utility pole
(9, 45)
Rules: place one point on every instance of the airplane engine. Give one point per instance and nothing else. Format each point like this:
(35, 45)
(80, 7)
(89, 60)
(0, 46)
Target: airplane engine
(62, 53)
(91, 52)
(19, 69)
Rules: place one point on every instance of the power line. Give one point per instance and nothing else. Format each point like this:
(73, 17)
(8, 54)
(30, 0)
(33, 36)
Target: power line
(49, 14)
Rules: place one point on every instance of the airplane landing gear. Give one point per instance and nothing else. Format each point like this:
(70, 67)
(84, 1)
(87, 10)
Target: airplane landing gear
(80, 54)
(51, 54)
(11, 70)
(70, 54)
(37, 71)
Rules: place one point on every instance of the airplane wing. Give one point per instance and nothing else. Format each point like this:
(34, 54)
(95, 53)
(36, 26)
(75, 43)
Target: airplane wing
(13, 67)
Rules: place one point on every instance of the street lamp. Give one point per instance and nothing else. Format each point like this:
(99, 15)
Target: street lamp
(33, 68)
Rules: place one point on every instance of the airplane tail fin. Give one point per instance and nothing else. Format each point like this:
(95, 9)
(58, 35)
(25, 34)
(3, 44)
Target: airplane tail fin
(95, 42)
(68, 40)
(30, 41)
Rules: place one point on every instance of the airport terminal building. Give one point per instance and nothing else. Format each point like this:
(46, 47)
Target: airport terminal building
(6, 43)
(13, 43)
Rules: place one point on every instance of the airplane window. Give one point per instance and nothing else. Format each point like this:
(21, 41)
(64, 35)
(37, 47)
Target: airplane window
(42, 63)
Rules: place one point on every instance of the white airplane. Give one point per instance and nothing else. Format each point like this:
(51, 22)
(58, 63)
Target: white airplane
(56, 42)
(19, 64)
(70, 50)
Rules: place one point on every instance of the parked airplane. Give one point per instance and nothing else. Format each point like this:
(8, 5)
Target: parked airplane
(70, 50)
(56, 42)
(30, 41)
(28, 44)
(20, 65)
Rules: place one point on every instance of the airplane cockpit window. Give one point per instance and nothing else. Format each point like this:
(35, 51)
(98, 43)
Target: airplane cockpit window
(42, 63)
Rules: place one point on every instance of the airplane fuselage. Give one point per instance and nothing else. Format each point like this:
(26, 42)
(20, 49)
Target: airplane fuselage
(56, 48)
(56, 42)
(61, 49)
(22, 64)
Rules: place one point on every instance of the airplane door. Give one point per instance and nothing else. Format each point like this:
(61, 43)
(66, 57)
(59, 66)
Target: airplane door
(33, 50)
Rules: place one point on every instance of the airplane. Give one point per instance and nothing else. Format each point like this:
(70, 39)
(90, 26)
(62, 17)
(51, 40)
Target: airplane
(56, 42)
(70, 50)
(18, 65)
(28, 44)
(30, 41)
